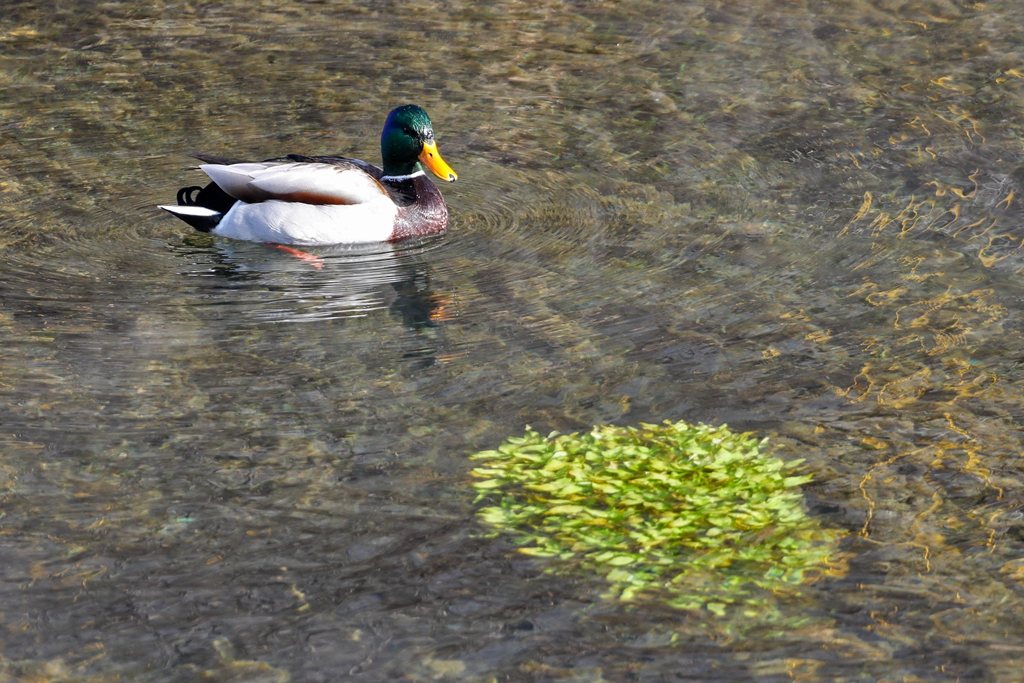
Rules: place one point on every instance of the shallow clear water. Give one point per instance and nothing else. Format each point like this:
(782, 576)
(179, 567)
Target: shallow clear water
(220, 463)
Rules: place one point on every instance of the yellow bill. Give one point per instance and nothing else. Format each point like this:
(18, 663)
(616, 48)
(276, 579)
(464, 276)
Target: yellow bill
(431, 158)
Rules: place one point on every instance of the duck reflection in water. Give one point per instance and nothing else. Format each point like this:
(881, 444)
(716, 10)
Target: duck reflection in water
(270, 285)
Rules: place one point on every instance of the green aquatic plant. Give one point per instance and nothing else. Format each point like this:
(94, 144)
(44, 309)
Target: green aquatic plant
(696, 514)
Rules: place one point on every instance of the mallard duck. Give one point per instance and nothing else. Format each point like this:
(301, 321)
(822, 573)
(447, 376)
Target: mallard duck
(319, 200)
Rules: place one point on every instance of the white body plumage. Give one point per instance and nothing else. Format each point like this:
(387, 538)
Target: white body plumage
(281, 222)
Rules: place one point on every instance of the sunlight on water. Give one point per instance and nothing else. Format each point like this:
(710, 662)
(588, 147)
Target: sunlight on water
(219, 461)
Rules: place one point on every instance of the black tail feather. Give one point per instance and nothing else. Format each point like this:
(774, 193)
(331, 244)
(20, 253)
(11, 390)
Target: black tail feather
(211, 197)
(214, 200)
(185, 195)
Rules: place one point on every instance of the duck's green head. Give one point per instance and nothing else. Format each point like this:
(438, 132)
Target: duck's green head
(408, 139)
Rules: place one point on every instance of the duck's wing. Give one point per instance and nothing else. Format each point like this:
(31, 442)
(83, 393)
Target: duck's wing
(286, 179)
(342, 162)
(401, 193)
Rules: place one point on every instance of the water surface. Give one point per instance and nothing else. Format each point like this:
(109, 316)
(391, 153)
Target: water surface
(800, 219)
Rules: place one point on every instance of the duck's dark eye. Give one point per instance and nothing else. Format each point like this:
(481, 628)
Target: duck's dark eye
(408, 131)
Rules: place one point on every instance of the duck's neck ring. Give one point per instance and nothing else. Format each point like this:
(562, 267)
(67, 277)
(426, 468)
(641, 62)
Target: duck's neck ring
(400, 178)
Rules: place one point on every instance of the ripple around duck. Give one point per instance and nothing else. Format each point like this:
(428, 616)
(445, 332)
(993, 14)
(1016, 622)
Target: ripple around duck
(264, 284)
(106, 260)
(116, 260)
(522, 213)
(558, 223)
